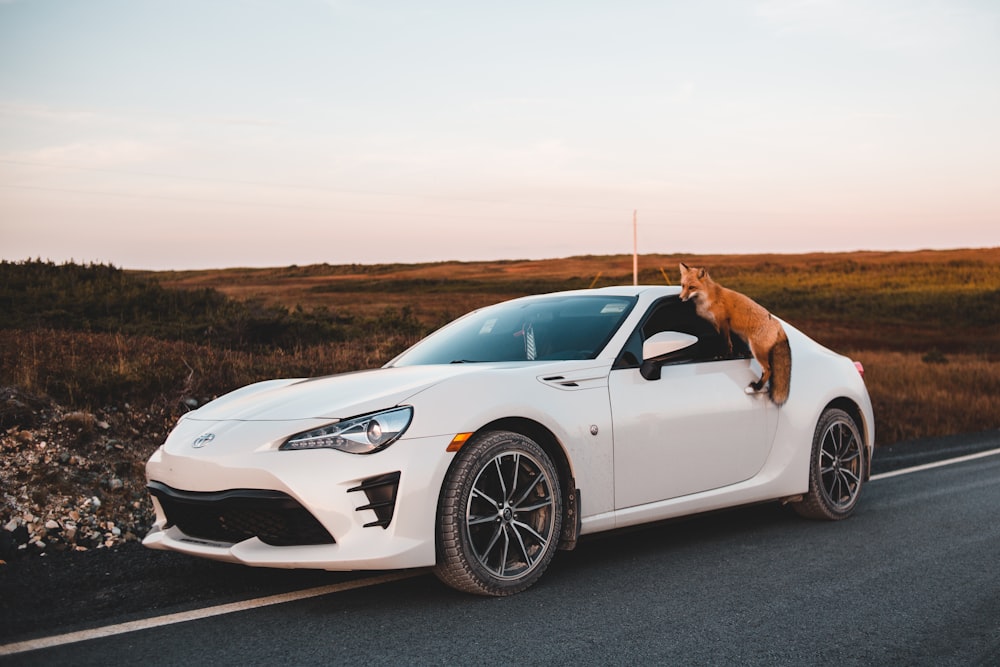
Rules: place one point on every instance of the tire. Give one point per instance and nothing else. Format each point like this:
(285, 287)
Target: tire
(836, 468)
(499, 515)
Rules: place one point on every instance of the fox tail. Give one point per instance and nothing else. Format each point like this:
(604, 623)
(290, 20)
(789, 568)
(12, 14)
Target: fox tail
(780, 359)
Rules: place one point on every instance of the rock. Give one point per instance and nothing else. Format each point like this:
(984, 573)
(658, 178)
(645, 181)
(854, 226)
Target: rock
(19, 408)
(82, 423)
(52, 524)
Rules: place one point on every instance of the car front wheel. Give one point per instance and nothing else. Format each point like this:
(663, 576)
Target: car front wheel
(836, 469)
(499, 516)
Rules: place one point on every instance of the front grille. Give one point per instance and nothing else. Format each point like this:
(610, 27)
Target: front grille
(239, 514)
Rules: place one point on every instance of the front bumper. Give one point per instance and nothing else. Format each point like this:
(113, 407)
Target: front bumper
(320, 509)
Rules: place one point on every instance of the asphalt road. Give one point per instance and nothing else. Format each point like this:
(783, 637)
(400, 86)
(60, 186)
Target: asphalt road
(911, 579)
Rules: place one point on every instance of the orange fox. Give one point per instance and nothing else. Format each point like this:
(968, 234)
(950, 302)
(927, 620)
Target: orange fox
(735, 313)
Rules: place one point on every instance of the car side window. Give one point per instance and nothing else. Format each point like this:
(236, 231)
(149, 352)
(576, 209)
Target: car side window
(672, 314)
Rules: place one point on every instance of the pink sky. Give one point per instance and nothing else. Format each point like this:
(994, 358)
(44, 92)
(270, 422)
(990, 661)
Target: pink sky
(268, 134)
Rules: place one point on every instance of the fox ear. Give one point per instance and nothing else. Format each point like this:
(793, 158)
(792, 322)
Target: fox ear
(684, 267)
(702, 273)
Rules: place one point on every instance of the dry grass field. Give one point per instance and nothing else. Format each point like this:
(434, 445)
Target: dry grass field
(925, 323)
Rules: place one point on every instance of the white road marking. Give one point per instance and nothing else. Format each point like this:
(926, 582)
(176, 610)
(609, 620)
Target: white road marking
(245, 605)
(195, 614)
(936, 464)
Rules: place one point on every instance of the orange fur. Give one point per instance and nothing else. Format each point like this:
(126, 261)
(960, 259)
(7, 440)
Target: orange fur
(735, 313)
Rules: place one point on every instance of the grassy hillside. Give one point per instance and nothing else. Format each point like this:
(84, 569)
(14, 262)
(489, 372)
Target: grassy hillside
(870, 300)
(923, 323)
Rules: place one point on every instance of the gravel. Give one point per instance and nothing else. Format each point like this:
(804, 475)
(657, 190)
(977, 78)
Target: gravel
(72, 480)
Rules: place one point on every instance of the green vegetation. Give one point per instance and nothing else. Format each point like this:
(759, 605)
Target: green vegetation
(93, 335)
(99, 298)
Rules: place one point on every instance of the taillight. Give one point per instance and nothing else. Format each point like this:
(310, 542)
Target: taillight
(861, 369)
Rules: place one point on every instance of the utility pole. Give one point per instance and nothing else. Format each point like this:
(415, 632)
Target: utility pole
(635, 249)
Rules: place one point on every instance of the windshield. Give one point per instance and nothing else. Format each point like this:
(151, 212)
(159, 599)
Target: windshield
(542, 328)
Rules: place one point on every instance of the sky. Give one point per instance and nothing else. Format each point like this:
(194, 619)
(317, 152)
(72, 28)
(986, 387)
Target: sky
(187, 134)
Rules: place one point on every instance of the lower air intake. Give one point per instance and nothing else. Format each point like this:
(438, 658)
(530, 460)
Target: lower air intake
(239, 514)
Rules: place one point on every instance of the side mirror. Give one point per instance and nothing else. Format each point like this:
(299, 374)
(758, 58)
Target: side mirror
(661, 348)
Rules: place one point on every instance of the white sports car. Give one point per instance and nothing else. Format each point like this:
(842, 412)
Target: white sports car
(505, 436)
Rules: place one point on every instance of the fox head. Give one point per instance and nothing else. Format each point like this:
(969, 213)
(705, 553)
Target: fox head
(693, 282)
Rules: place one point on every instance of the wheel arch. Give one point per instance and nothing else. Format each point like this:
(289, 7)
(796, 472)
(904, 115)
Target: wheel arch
(854, 412)
(554, 449)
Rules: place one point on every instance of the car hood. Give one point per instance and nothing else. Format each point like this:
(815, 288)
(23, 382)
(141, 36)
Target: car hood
(330, 397)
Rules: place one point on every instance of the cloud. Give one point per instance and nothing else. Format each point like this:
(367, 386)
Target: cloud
(133, 118)
(46, 113)
(92, 154)
(233, 120)
(684, 93)
(894, 25)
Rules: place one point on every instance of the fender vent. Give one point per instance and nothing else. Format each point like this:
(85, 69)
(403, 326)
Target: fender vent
(381, 494)
(561, 381)
(575, 380)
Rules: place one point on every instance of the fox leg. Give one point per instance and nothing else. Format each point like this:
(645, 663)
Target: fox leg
(727, 335)
(765, 377)
(763, 358)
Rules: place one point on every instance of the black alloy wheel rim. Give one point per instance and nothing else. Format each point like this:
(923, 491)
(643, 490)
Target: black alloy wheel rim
(510, 515)
(841, 464)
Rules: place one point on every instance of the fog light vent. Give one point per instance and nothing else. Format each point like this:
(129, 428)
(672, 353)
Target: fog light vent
(381, 494)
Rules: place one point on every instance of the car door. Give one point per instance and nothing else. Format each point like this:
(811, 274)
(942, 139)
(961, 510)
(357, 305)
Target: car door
(693, 429)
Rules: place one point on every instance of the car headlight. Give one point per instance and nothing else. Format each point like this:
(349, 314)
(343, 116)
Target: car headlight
(358, 435)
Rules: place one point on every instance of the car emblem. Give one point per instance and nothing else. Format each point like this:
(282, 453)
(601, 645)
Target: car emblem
(203, 440)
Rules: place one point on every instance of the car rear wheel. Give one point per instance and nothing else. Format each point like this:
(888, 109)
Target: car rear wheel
(499, 516)
(836, 469)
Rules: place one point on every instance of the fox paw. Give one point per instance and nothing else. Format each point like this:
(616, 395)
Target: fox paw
(754, 388)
